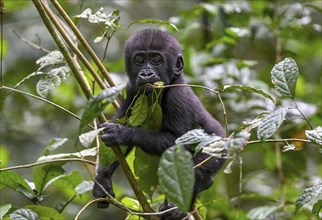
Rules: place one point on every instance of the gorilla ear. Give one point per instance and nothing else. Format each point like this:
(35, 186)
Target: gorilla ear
(179, 64)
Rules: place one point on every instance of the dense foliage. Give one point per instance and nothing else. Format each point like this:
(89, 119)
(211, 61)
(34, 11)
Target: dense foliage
(255, 64)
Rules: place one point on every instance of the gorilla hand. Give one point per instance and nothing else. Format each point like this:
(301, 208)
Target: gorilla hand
(105, 182)
(114, 134)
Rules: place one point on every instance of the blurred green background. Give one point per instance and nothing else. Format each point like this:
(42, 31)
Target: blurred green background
(225, 42)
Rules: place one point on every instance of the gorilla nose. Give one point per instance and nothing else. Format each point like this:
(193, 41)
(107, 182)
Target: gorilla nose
(146, 73)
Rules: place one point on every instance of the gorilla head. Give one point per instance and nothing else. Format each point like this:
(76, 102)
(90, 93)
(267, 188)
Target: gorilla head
(152, 55)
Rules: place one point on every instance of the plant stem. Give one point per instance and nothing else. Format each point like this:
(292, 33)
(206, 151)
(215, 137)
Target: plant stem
(84, 43)
(81, 79)
(41, 7)
(305, 118)
(48, 161)
(42, 99)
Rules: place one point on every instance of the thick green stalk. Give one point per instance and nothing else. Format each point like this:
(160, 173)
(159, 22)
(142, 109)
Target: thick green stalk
(88, 93)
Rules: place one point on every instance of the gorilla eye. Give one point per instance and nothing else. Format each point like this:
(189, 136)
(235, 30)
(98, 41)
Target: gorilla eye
(139, 60)
(157, 60)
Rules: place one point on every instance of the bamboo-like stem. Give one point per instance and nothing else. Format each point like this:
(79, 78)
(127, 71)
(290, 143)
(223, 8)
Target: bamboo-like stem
(81, 79)
(84, 42)
(41, 7)
(76, 50)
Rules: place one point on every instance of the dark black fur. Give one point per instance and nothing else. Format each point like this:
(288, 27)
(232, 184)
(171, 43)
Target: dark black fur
(182, 110)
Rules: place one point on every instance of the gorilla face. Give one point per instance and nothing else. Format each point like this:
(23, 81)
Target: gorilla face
(152, 56)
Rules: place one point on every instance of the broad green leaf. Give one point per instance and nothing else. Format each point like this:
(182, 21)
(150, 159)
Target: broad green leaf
(211, 142)
(284, 77)
(317, 207)
(14, 181)
(315, 135)
(262, 212)
(87, 138)
(154, 120)
(24, 214)
(53, 58)
(310, 193)
(54, 144)
(131, 203)
(154, 21)
(43, 174)
(65, 181)
(45, 213)
(85, 14)
(97, 104)
(139, 111)
(84, 153)
(84, 187)
(146, 169)
(4, 209)
(271, 123)
(100, 17)
(193, 137)
(51, 80)
(107, 156)
(236, 142)
(177, 177)
(249, 89)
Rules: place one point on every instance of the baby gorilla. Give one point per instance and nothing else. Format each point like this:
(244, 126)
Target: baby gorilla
(156, 56)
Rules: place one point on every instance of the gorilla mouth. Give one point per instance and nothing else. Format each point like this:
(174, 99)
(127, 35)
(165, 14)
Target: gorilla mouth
(150, 85)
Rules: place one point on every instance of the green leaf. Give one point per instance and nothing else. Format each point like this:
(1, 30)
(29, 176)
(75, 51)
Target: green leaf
(154, 21)
(177, 177)
(4, 210)
(309, 194)
(85, 14)
(97, 104)
(53, 58)
(84, 153)
(131, 203)
(43, 174)
(154, 120)
(54, 144)
(271, 123)
(317, 207)
(284, 77)
(262, 212)
(139, 111)
(146, 169)
(107, 156)
(84, 187)
(236, 142)
(24, 214)
(51, 80)
(70, 180)
(315, 135)
(45, 213)
(87, 138)
(193, 137)
(16, 182)
(249, 89)
(101, 17)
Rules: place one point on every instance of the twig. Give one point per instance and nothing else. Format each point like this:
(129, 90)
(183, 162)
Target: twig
(42, 99)
(48, 161)
(279, 140)
(305, 118)
(31, 43)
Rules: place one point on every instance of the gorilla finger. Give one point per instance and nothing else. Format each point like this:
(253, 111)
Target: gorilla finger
(106, 125)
